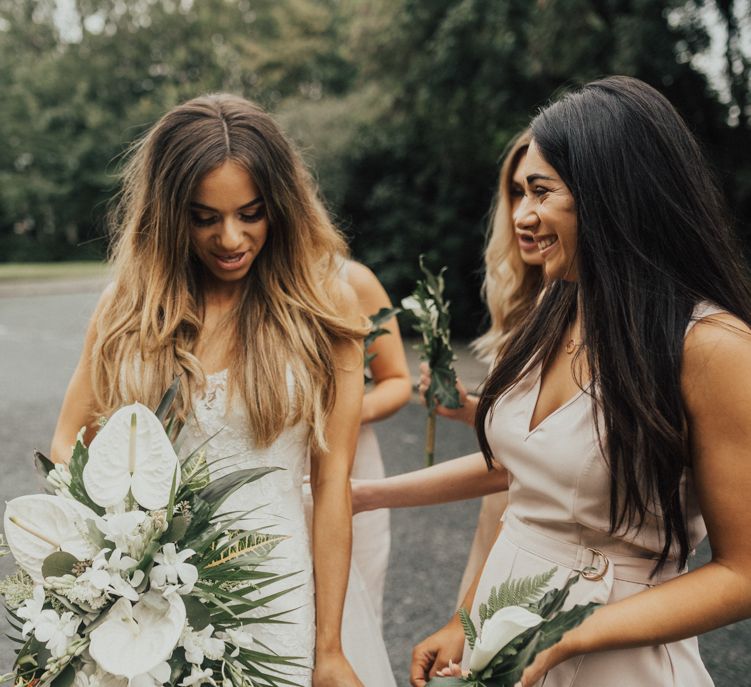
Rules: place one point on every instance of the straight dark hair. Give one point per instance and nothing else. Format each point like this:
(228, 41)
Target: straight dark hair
(654, 239)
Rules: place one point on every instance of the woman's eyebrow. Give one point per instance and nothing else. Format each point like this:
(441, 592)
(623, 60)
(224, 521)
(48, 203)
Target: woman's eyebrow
(249, 204)
(536, 177)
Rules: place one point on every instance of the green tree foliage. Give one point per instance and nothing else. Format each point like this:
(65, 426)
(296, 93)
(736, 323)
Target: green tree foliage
(403, 107)
(76, 92)
(463, 76)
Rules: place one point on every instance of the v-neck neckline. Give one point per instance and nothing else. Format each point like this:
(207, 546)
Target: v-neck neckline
(536, 389)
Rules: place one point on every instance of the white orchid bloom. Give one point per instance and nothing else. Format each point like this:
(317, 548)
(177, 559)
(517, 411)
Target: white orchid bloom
(56, 632)
(498, 630)
(124, 529)
(131, 453)
(30, 610)
(154, 678)
(118, 580)
(172, 569)
(239, 638)
(134, 640)
(198, 677)
(37, 525)
(201, 645)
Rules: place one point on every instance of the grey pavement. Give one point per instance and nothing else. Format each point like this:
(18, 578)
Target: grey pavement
(41, 331)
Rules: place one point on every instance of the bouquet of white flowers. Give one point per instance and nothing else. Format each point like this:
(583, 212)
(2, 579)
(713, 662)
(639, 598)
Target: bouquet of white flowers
(128, 574)
(519, 620)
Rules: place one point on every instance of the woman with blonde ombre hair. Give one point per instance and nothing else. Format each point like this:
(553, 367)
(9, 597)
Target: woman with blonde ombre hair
(226, 276)
(513, 283)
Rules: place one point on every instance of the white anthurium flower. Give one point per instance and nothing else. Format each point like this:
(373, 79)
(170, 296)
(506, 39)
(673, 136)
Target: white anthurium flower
(198, 677)
(154, 678)
(238, 637)
(55, 631)
(498, 630)
(30, 610)
(37, 525)
(131, 453)
(171, 569)
(134, 639)
(201, 645)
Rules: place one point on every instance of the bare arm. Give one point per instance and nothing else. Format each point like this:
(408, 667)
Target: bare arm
(716, 370)
(332, 514)
(392, 385)
(453, 480)
(78, 404)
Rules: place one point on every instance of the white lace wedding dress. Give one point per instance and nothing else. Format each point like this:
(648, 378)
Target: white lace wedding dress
(278, 502)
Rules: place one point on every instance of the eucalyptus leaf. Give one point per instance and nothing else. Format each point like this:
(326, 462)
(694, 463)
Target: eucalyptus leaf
(58, 564)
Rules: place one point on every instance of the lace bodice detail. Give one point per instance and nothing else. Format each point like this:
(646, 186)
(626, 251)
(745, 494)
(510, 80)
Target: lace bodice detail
(275, 500)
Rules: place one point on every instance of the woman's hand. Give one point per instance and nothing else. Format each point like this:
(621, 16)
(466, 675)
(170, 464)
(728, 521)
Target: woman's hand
(334, 670)
(544, 662)
(435, 652)
(464, 414)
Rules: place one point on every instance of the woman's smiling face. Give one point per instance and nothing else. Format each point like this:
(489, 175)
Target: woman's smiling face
(548, 211)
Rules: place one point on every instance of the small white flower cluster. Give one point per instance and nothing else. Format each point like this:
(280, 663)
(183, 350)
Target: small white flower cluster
(132, 531)
(203, 644)
(56, 632)
(171, 570)
(109, 575)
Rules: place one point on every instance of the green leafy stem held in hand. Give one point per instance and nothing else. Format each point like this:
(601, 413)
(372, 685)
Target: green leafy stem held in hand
(432, 313)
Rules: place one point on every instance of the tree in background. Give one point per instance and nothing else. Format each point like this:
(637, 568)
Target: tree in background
(402, 107)
(77, 90)
(463, 76)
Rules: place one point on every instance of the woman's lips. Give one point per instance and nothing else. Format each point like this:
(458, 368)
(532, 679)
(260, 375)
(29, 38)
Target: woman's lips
(232, 261)
(526, 242)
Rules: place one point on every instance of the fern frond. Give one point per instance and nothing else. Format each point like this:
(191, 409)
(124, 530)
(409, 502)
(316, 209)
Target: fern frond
(519, 592)
(470, 632)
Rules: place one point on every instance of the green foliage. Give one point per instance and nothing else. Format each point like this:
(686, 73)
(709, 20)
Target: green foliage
(521, 592)
(77, 463)
(377, 329)
(470, 631)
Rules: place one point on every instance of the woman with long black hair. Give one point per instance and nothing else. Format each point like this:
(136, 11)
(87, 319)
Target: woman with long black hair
(622, 407)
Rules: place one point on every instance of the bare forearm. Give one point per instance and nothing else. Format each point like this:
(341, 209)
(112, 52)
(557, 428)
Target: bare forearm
(453, 480)
(385, 398)
(332, 546)
(707, 598)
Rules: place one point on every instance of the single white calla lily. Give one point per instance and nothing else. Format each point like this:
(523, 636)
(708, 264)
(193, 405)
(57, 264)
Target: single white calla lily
(37, 525)
(132, 452)
(135, 639)
(498, 630)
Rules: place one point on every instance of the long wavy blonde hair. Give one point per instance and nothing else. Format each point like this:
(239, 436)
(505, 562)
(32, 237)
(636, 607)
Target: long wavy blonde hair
(511, 287)
(289, 313)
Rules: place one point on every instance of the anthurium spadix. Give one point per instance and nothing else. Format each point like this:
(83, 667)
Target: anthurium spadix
(38, 525)
(135, 638)
(131, 453)
(498, 630)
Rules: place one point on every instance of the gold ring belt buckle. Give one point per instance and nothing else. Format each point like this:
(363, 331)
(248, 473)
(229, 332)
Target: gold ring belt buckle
(595, 573)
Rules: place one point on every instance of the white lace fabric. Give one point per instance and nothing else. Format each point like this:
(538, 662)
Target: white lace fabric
(277, 505)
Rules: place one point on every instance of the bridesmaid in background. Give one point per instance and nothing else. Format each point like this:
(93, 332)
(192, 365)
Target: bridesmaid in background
(513, 282)
(390, 389)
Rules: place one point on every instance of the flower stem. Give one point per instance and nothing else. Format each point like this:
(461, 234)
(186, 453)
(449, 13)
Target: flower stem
(132, 445)
(430, 438)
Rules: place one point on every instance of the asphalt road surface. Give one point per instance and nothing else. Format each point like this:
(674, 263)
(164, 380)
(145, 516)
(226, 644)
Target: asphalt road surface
(40, 339)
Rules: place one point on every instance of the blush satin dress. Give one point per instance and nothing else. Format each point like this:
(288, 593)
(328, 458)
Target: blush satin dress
(558, 516)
